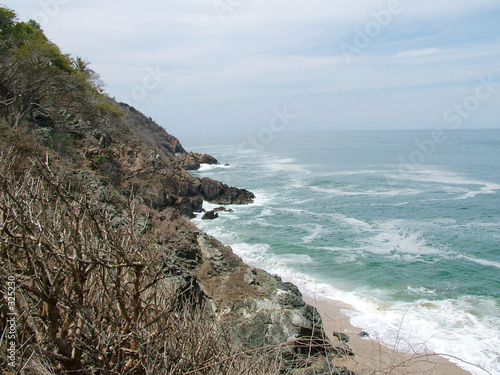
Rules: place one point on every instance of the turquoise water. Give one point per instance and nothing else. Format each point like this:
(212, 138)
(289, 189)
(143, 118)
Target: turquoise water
(402, 227)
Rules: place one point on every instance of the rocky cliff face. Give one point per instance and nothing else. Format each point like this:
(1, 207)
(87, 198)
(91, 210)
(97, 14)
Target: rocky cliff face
(138, 158)
(257, 308)
(101, 160)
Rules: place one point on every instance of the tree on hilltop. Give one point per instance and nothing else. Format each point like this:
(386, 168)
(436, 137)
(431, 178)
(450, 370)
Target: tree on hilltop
(36, 75)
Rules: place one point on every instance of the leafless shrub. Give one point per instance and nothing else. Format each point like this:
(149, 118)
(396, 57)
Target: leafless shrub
(92, 297)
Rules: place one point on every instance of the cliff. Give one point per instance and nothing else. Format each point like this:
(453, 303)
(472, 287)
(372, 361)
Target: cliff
(110, 275)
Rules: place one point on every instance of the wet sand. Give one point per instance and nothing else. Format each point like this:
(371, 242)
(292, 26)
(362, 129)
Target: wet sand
(372, 357)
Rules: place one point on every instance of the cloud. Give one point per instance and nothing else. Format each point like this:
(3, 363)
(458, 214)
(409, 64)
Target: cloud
(418, 53)
(432, 9)
(264, 54)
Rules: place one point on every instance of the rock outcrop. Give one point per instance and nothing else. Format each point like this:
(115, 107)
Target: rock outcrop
(257, 308)
(217, 192)
(144, 161)
(193, 160)
(210, 215)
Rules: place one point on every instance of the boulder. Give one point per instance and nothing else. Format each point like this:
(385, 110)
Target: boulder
(217, 192)
(210, 215)
(211, 189)
(206, 159)
(222, 209)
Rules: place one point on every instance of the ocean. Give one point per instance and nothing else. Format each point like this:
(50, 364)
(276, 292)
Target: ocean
(404, 226)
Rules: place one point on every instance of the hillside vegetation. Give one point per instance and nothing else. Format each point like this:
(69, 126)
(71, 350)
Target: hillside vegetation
(100, 266)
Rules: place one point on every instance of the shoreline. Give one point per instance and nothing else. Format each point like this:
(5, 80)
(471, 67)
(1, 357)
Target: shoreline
(373, 357)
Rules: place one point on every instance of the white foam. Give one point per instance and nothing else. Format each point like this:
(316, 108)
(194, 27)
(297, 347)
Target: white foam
(487, 188)
(348, 193)
(392, 238)
(400, 204)
(262, 198)
(265, 213)
(213, 228)
(284, 161)
(466, 328)
(344, 255)
(275, 167)
(285, 165)
(459, 328)
(208, 167)
(380, 172)
(420, 291)
(296, 258)
(358, 225)
(484, 262)
(254, 255)
(207, 206)
(314, 233)
(479, 224)
(449, 178)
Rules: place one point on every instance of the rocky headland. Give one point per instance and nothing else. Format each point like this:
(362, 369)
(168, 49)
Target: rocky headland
(111, 275)
(141, 160)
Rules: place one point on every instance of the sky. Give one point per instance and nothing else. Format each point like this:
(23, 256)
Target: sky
(250, 66)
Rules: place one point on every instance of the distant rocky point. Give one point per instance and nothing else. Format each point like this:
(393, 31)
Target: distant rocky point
(192, 161)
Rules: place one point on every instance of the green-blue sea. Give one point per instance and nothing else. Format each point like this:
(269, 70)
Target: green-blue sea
(404, 226)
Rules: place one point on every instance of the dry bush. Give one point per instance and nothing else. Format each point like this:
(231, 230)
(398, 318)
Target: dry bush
(92, 298)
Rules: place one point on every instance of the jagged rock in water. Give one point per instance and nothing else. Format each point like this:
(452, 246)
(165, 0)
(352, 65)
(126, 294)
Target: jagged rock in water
(222, 209)
(363, 334)
(217, 192)
(210, 215)
(193, 160)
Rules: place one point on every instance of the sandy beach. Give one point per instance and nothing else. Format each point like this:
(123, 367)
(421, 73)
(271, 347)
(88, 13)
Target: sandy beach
(372, 357)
